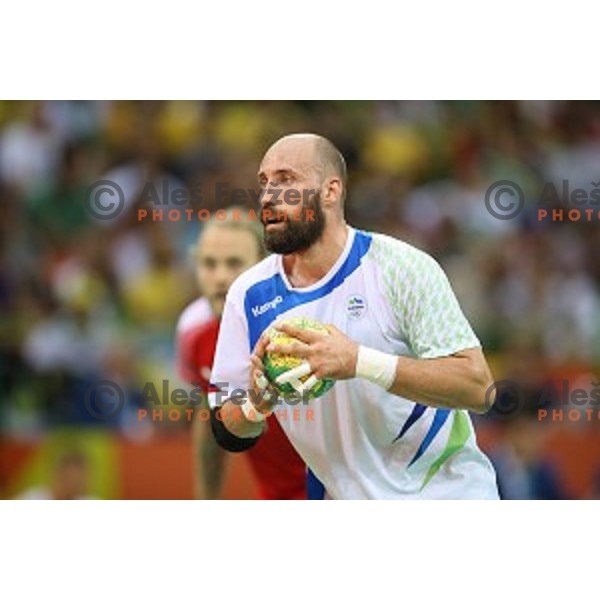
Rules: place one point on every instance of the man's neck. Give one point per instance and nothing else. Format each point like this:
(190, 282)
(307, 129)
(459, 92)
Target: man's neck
(309, 266)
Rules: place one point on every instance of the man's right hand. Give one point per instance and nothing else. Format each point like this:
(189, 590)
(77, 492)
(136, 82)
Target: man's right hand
(262, 394)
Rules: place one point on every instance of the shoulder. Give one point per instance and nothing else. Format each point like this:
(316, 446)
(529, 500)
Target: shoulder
(196, 313)
(397, 256)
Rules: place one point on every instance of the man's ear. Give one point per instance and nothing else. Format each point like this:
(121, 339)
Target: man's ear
(333, 191)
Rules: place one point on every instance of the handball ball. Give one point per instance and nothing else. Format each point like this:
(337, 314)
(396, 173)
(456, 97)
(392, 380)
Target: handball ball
(276, 364)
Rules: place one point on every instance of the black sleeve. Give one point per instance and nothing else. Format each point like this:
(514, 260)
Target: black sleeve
(225, 438)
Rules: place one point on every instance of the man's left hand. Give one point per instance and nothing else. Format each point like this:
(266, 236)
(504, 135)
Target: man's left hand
(330, 356)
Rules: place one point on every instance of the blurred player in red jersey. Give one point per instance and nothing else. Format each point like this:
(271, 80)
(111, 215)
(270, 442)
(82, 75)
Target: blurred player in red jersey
(224, 250)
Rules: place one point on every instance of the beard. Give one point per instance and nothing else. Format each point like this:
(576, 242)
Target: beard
(296, 236)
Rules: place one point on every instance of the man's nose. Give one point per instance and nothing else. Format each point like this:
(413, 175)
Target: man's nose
(267, 194)
(223, 277)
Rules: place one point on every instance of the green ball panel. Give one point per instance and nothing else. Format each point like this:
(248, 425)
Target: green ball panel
(272, 372)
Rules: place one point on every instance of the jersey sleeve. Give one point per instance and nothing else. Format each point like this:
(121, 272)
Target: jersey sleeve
(185, 357)
(231, 367)
(195, 352)
(427, 312)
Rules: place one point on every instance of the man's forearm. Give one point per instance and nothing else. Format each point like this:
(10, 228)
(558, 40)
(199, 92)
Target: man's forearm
(462, 380)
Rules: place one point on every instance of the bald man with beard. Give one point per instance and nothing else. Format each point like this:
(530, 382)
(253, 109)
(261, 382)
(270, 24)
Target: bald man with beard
(407, 365)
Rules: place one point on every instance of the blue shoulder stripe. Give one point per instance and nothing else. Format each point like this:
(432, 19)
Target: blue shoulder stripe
(267, 299)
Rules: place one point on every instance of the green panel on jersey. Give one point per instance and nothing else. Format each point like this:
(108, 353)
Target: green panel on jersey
(421, 299)
(459, 434)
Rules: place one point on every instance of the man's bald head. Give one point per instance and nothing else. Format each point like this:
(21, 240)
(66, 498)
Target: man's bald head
(304, 179)
(316, 150)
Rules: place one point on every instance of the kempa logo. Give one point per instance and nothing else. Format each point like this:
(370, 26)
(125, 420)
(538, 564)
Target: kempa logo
(263, 308)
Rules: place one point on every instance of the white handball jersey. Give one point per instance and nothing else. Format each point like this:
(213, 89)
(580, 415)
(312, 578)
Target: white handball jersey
(359, 440)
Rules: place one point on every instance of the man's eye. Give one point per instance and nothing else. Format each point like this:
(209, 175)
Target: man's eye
(209, 264)
(234, 263)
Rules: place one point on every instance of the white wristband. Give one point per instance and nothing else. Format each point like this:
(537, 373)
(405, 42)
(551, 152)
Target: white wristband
(377, 367)
(252, 413)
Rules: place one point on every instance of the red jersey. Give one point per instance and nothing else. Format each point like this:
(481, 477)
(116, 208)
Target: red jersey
(280, 472)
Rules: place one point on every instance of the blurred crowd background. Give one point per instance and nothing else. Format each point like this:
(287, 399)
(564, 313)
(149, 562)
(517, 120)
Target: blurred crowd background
(83, 300)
